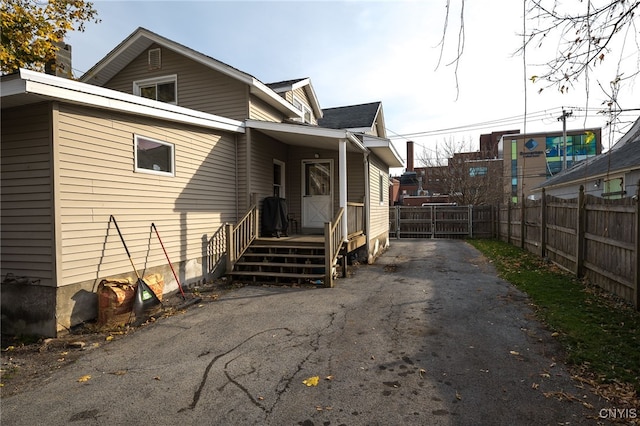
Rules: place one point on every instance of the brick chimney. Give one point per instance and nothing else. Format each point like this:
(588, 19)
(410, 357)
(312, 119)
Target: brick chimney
(61, 65)
(409, 156)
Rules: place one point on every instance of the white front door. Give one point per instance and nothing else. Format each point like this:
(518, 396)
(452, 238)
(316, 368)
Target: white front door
(317, 193)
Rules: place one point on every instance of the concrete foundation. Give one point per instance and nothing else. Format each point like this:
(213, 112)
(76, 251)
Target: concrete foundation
(30, 309)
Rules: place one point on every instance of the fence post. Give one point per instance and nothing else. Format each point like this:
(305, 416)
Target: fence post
(580, 234)
(230, 248)
(328, 255)
(433, 221)
(523, 228)
(509, 222)
(470, 221)
(636, 257)
(543, 224)
(397, 221)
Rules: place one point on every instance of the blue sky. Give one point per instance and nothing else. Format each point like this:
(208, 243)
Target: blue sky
(364, 51)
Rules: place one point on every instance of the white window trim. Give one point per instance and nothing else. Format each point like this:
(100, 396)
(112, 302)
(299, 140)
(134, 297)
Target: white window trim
(381, 191)
(283, 189)
(149, 171)
(157, 80)
(305, 109)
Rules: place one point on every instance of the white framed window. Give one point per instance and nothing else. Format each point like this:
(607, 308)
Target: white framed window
(306, 111)
(614, 189)
(383, 183)
(278, 179)
(164, 89)
(153, 156)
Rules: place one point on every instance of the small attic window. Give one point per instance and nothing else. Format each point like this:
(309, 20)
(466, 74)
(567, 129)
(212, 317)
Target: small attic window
(155, 60)
(306, 111)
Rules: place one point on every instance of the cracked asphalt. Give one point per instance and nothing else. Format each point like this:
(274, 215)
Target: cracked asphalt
(429, 335)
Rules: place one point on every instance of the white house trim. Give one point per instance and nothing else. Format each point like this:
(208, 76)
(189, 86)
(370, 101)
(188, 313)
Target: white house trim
(50, 87)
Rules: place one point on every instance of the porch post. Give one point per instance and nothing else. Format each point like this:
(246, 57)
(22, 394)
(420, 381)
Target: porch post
(343, 186)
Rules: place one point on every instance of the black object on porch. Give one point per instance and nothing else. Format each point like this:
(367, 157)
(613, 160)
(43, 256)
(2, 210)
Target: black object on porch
(274, 217)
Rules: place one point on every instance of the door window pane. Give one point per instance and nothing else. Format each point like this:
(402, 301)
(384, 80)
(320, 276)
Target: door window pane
(318, 179)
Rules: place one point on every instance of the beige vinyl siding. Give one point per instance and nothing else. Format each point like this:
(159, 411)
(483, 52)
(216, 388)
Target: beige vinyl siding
(199, 87)
(263, 151)
(26, 194)
(379, 215)
(95, 151)
(242, 172)
(260, 110)
(355, 177)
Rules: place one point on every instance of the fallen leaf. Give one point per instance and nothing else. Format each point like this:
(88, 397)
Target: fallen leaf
(514, 353)
(329, 378)
(458, 396)
(85, 378)
(109, 338)
(312, 381)
(64, 353)
(422, 372)
(555, 334)
(156, 378)
(261, 398)
(535, 386)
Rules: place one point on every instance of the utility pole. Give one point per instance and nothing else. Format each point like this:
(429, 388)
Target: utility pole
(563, 117)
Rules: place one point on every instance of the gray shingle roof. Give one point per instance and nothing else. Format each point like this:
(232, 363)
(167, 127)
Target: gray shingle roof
(285, 83)
(350, 117)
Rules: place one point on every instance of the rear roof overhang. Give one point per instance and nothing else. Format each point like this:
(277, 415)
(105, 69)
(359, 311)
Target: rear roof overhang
(309, 136)
(28, 87)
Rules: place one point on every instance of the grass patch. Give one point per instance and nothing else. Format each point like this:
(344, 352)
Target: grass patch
(600, 333)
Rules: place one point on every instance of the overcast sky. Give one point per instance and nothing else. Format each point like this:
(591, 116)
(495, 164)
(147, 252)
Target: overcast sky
(364, 51)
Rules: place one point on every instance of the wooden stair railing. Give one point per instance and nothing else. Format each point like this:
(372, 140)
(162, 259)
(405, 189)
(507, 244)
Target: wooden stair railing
(240, 236)
(333, 239)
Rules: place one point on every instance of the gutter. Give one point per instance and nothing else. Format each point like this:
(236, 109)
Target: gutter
(51, 87)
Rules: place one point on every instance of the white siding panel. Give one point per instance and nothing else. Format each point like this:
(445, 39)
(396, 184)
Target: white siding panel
(26, 194)
(97, 179)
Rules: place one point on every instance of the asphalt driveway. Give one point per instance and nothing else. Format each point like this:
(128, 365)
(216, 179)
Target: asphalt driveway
(427, 336)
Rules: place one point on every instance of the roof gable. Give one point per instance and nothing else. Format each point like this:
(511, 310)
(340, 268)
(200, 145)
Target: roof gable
(361, 118)
(281, 87)
(141, 39)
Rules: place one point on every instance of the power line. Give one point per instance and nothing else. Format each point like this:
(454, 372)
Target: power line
(513, 120)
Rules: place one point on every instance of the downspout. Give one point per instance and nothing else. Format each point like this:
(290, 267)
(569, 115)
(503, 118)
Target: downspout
(247, 167)
(235, 139)
(342, 170)
(367, 198)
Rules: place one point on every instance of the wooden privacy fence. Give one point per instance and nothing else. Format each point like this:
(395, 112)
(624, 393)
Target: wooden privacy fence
(442, 221)
(594, 238)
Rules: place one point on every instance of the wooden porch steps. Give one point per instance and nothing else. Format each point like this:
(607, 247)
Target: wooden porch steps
(295, 260)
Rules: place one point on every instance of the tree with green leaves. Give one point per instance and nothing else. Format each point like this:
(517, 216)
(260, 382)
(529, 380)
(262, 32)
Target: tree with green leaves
(32, 31)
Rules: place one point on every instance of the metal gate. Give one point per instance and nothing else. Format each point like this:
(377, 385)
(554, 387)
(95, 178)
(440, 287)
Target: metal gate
(441, 221)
